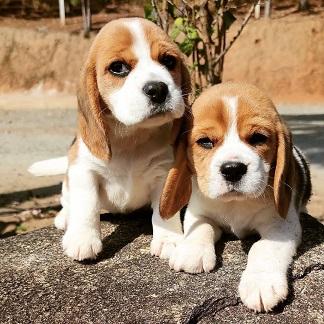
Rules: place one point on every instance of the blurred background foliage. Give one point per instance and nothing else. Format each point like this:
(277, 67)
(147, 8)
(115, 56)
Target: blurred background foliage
(50, 8)
(46, 8)
(199, 27)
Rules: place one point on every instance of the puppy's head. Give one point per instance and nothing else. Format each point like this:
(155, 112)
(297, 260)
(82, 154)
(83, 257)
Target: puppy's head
(135, 75)
(237, 147)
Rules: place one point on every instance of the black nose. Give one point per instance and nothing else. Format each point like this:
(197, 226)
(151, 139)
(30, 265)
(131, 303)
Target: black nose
(156, 91)
(233, 171)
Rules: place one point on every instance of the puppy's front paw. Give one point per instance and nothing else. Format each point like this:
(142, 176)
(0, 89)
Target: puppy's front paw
(82, 244)
(193, 257)
(261, 291)
(164, 246)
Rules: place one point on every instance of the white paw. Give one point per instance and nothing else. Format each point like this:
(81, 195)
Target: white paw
(60, 220)
(164, 246)
(261, 291)
(193, 257)
(82, 244)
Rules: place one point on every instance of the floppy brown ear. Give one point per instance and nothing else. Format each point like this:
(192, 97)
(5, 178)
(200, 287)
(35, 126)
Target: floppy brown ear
(177, 188)
(284, 170)
(185, 83)
(93, 128)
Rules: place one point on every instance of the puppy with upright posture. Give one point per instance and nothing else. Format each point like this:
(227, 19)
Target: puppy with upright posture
(133, 91)
(246, 177)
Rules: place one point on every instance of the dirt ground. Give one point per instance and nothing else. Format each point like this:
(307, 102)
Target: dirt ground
(283, 55)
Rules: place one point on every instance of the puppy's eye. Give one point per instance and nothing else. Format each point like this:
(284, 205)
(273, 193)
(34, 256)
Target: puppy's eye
(168, 61)
(119, 68)
(206, 143)
(257, 139)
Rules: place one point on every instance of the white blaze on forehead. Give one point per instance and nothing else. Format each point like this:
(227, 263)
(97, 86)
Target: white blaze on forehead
(140, 46)
(231, 105)
(231, 137)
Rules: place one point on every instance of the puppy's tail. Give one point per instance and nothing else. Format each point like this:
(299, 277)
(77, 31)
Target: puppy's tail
(49, 167)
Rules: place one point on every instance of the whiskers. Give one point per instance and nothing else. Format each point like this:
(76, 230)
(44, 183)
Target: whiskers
(284, 183)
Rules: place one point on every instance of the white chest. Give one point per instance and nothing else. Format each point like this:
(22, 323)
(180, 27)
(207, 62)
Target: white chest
(239, 217)
(127, 182)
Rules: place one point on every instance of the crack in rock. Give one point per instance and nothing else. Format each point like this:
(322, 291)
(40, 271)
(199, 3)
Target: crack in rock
(212, 306)
(308, 270)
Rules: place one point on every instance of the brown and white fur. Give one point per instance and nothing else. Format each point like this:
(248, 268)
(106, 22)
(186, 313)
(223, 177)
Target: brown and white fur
(246, 177)
(122, 152)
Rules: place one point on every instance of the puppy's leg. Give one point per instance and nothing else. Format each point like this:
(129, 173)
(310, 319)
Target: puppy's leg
(196, 252)
(264, 282)
(60, 220)
(166, 233)
(82, 239)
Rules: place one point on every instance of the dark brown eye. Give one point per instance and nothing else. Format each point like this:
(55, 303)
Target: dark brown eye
(206, 143)
(168, 61)
(257, 139)
(119, 68)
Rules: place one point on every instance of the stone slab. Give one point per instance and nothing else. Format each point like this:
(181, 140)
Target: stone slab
(38, 284)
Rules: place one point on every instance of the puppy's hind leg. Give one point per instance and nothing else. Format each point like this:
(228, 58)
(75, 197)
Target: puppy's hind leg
(166, 233)
(61, 218)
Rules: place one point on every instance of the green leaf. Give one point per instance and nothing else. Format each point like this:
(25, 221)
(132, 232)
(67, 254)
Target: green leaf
(192, 33)
(175, 32)
(179, 22)
(149, 12)
(186, 46)
(74, 3)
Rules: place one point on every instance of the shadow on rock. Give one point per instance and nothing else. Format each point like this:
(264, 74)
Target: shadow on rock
(129, 227)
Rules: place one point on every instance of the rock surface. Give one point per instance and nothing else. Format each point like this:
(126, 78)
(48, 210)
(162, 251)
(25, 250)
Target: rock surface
(38, 284)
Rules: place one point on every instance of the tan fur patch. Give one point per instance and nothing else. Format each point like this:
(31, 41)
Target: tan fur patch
(160, 45)
(254, 119)
(73, 151)
(210, 119)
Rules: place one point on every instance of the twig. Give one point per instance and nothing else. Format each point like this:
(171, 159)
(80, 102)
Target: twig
(175, 6)
(158, 16)
(245, 21)
(165, 15)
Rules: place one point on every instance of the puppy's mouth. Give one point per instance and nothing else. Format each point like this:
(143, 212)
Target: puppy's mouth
(236, 194)
(160, 114)
(159, 110)
(232, 194)
(157, 119)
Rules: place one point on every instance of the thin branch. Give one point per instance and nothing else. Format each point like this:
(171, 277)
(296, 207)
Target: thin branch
(175, 6)
(165, 15)
(245, 21)
(158, 16)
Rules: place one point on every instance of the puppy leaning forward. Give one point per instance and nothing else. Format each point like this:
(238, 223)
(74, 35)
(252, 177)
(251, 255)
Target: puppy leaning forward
(246, 177)
(133, 87)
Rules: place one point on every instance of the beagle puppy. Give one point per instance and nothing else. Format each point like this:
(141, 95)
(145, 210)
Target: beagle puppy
(246, 177)
(133, 91)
